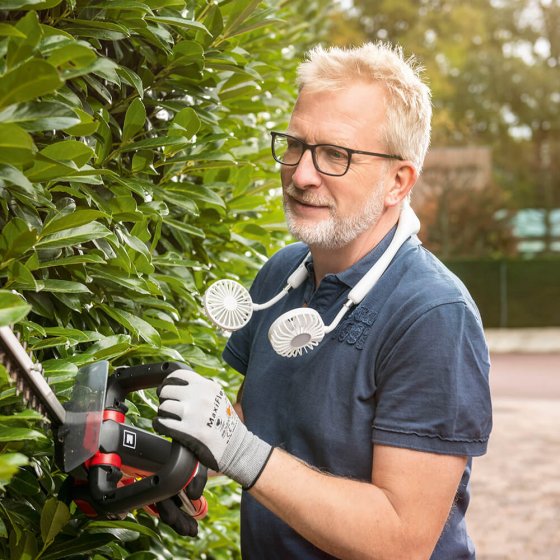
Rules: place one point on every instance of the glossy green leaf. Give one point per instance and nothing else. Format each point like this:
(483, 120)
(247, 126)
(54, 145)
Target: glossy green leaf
(16, 145)
(45, 168)
(74, 236)
(77, 55)
(133, 242)
(178, 22)
(111, 347)
(143, 556)
(69, 150)
(158, 4)
(134, 324)
(13, 308)
(61, 221)
(7, 30)
(29, 4)
(239, 11)
(19, 50)
(21, 278)
(91, 258)
(16, 239)
(160, 142)
(250, 230)
(188, 52)
(83, 544)
(132, 5)
(103, 30)
(46, 4)
(137, 285)
(10, 463)
(54, 517)
(20, 434)
(214, 21)
(43, 115)
(185, 123)
(12, 176)
(202, 194)
(161, 324)
(184, 227)
(134, 120)
(131, 78)
(26, 548)
(63, 286)
(17, 417)
(106, 69)
(27, 82)
(25, 483)
(86, 127)
(143, 161)
(130, 525)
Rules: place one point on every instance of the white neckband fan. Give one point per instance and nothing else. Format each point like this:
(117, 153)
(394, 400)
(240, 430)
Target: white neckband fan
(229, 305)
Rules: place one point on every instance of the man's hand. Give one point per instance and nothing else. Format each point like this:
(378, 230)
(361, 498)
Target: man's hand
(196, 412)
(182, 510)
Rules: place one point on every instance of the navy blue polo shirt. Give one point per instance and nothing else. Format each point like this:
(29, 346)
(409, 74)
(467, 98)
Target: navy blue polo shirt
(408, 367)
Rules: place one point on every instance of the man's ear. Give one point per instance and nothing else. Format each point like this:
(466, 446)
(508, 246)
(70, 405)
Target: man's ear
(404, 178)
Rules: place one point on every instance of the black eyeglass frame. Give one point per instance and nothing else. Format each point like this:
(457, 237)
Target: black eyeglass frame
(313, 147)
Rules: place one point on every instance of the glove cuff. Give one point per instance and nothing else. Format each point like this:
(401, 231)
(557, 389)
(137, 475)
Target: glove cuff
(245, 457)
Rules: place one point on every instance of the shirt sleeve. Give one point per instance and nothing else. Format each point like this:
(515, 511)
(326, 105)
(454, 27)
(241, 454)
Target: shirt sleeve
(236, 351)
(432, 385)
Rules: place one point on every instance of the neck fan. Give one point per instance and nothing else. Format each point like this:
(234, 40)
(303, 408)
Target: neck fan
(301, 330)
(229, 305)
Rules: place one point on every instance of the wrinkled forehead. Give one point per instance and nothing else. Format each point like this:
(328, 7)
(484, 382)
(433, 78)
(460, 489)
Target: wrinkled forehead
(346, 115)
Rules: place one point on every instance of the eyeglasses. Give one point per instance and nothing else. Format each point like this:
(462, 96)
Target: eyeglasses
(328, 159)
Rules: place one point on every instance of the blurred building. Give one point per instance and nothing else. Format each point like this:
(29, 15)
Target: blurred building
(535, 228)
(464, 167)
(453, 193)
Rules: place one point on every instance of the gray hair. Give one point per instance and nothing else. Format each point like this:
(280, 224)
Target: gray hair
(409, 107)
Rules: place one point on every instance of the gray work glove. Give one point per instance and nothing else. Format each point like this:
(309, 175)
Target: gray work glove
(195, 411)
(180, 511)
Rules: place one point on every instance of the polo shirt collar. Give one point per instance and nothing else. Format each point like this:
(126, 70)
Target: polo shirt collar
(353, 274)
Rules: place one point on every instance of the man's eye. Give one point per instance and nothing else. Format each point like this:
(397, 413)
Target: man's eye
(334, 153)
(293, 144)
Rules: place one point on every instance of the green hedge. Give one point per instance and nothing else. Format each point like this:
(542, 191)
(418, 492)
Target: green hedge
(134, 169)
(513, 292)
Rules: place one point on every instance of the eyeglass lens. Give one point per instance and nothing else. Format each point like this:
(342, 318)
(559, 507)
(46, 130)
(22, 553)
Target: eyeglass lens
(327, 159)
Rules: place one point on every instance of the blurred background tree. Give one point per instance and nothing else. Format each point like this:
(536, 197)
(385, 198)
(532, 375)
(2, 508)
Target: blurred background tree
(494, 69)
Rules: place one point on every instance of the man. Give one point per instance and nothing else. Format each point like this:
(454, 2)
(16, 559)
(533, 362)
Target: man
(362, 447)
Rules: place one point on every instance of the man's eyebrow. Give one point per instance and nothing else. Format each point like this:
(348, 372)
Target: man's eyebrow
(329, 142)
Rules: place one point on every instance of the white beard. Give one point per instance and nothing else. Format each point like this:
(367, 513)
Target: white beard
(334, 232)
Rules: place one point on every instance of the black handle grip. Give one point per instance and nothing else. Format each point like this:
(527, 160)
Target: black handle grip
(172, 464)
(126, 380)
(168, 481)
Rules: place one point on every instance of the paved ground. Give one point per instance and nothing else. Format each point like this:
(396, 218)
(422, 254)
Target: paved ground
(515, 509)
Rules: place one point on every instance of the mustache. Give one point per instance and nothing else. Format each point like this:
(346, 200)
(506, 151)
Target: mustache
(307, 197)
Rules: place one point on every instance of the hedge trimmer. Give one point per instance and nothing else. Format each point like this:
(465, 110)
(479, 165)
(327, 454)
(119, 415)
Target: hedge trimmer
(114, 467)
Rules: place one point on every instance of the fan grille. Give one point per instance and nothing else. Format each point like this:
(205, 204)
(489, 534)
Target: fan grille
(296, 331)
(228, 305)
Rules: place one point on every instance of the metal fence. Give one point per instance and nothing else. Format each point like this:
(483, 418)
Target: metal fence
(513, 292)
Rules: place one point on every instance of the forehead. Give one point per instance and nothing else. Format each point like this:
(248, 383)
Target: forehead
(348, 115)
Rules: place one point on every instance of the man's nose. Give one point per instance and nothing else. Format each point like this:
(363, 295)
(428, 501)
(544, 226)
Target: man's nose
(305, 174)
